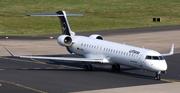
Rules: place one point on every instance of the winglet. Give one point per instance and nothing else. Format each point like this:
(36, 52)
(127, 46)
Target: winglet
(171, 51)
(10, 52)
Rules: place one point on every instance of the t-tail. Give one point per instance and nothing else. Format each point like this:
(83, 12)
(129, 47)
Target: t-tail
(66, 30)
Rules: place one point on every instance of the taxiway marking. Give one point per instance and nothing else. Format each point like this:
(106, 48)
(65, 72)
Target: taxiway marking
(64, 66)
(171, 81)
(39, 62)
(23, 86)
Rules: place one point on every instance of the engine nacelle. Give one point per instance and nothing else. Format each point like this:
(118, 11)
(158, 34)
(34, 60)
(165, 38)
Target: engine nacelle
(64, 40)
(96, 36)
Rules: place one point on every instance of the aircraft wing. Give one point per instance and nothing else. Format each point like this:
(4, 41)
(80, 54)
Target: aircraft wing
(171, 51)
(65, 58)
(62, 58)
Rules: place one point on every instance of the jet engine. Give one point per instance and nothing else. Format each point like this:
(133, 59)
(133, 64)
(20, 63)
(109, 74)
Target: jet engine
(96, 36)
(64, 40)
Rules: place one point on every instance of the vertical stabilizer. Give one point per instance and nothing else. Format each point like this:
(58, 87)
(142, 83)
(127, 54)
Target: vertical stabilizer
(66, 30)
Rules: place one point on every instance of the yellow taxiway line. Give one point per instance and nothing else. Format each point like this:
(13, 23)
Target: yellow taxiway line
(23, 86)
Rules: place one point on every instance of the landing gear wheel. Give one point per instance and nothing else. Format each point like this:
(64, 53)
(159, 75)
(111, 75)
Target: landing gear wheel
(87, 67)
(116, 68)
(158, 76)
(90, 67)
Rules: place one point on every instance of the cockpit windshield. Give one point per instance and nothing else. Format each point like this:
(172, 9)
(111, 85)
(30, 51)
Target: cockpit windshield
(154, 57)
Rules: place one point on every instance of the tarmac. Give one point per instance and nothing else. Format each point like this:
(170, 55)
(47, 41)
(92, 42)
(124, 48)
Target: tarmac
(48, 76)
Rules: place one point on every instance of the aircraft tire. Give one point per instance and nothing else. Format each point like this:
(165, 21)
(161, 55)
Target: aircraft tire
(90, 68)
(87, 67)
(158, 76)
(116, 68)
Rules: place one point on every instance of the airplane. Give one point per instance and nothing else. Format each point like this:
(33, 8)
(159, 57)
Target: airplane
(95, 49)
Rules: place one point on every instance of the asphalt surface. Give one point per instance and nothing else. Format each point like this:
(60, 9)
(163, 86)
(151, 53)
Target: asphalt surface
(48, 76)
(40, 76)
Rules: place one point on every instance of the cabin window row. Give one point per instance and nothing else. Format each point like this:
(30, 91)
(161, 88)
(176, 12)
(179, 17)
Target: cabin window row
(109, 50)
(89, 46)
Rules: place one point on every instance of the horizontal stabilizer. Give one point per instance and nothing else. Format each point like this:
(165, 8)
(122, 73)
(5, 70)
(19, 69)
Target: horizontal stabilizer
(59, 13)
(66, 30)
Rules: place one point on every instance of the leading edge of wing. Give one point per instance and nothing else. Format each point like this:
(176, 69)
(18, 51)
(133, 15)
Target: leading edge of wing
(61, 58)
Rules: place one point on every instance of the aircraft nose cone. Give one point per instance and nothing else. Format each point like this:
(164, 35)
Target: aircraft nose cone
(159, 65)
(162, 66)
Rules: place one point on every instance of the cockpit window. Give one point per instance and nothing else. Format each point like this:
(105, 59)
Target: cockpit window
(154, 57)
(148, 57)
(161, 57)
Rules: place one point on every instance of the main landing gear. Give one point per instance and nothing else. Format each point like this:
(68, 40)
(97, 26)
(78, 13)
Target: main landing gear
(116, 68)
(88, 67)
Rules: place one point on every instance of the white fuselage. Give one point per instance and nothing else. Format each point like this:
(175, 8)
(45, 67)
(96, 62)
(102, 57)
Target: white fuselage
(117, 53)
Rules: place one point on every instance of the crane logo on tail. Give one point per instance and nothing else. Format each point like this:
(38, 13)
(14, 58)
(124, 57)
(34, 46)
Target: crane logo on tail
(64, 28)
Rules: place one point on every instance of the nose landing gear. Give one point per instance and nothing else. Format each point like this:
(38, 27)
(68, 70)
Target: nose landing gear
(158, 75)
